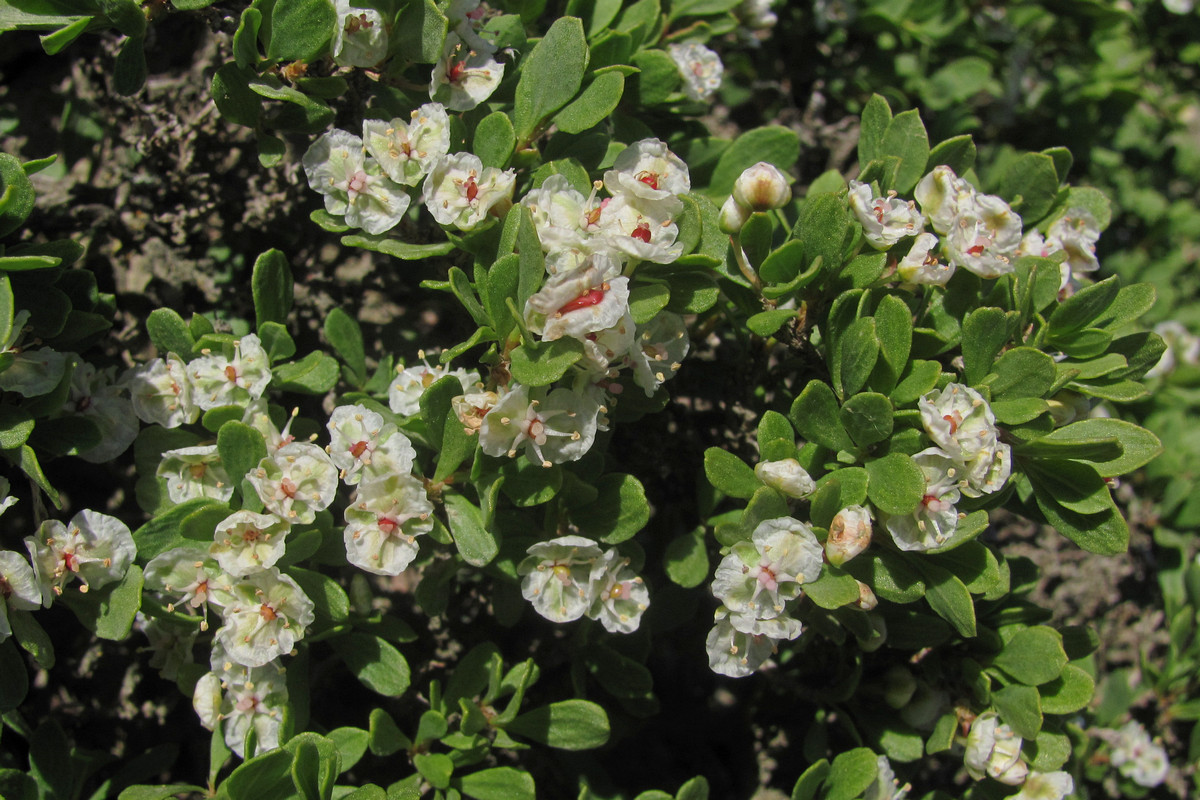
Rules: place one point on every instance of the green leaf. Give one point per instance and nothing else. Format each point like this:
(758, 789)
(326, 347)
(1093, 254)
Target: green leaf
(921, 379)
(32, 637)
(867, 417)
(108, 611)
(1021, 372)
(420, 31)
(169, 332)
(550, 76)
(544, 363)
(1021, 708)
(1033, 655)
(498, 783)
(300, 29)
(241, 447)
(833, 589)
(766, 323)
(435, 768)
(594, 105)
(948, 596)
(1073, 485)
(1030, 185)
(15, 685)
(686, 559)
(1106, 534)
(985, 331)
(619, 511)
(494, 140)
(163, 533)
(15, 427)
(328, 597)
(377, 665)
(398, 249)
(896, 484)
(386, 737)
(958, 153)
(161, 792)
(837, 490)
(345, 335)
(129, 69)
(476, 544)
(17, 195)
(876, 117)
(50, 760)
(657, 78)
(817, 418)
(729, 474)
(906, 138)
(810, 781)
(276, 341)
(316, 373)
(245, 40)
(646, 300)
(1084, 307)
(851, 774)
(566, 725)
(264, 777)
(1138, 445)
(529, 484)
(857, 350)
(1071, 691)
(315, 765)
(773, 144)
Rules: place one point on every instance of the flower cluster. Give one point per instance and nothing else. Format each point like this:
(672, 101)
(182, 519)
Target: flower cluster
(967, 458)
(467, 73)
(756, 584)
(701, 69)
(993, 750)
(367, 180)
(571, 577)
(1136, 756)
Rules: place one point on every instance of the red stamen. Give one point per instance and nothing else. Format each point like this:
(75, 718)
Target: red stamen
(642, 232)
(592, 297)
(357, 449)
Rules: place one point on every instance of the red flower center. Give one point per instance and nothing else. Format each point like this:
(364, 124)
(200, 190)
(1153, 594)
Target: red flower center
(592, 297)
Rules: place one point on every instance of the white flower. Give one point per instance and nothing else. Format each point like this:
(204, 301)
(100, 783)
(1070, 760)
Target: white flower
(360, 38)
(622, 595)
(579, 302)
(641, 228)
(1182, 345)
(94, 547)
(935, 518)
(552, 427)
(558, 577)
(1076, 232)
(849, 535)
(885, 786)
(940, 194)
(170, 643)
(18, 589)
(885, 220)
(353, 185)
(161, 392)
(472, 407)
(700, 67)
(1045, 786)
(356, 433)
(406, 151)
(34, 371)
(921, 265)
(993, 750)
(658, 351)
(464, 77)
(96, 395)
(758, 577)
(6, 499)
(762, 187)
(737, 653)
(601, 348)
(404, 392)
(192, 472)
(383, 522)
(733, 216)
(245, 542)
(220, 381)
(191, 578)
(960, 422)
(648, 169)
(984, 237)
(243, 699)
(561, 215)
(257, 417)
(266, 615)
(786, 476)
(295, 482)
(459, 191)
(1138, 757)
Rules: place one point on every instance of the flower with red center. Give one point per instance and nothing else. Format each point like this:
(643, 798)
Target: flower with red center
(648, 158)
(245, 542)
(757, 579)
(465, 76)
(295, 482)
(93, 547)
(551, 427)
(383, 521)
(266, 614)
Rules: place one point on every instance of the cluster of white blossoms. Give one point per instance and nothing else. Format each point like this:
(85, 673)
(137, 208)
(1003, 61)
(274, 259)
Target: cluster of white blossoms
(368, 180)
(590, 243)
(993, 750)
(967, 459)
(571, 577)
(1183, 347)
(756, 583)
(1136, 756)
(701, 69)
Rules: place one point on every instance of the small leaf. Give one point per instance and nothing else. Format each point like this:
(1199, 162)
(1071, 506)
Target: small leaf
(867, 417)
(619, 511)
(169, 332)
(1021, 708)
(494, 140)
(686, 559)
(544, 363)
(550, 75)
(851, 774)
(109, 611)
(498, 783)
(379, 666)
(816, 416)
(476, 544)
(1138, 445)
(566, 725)
(345, 335)
(729, 474)
(241, 447)
(300, 29)
(896, 484)
(594, 105)
(1033, 655)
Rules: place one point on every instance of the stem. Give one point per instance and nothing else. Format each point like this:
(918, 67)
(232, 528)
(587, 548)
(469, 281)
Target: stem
(744, 265)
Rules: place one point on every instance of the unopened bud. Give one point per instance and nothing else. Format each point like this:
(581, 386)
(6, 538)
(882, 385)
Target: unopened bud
(787, 476)
(898, 686)
(849, 535)
(993, 749)
(762, 188)
(733, 217)
(1067, 406)
(866, 597)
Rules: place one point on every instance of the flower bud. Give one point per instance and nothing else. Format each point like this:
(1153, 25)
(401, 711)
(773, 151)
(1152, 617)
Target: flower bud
(787, 476)
(762, 188)
(899, 686)
(733, 217)
(1066, 407)
(849, 535)
(866, 597)
(993, 749)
